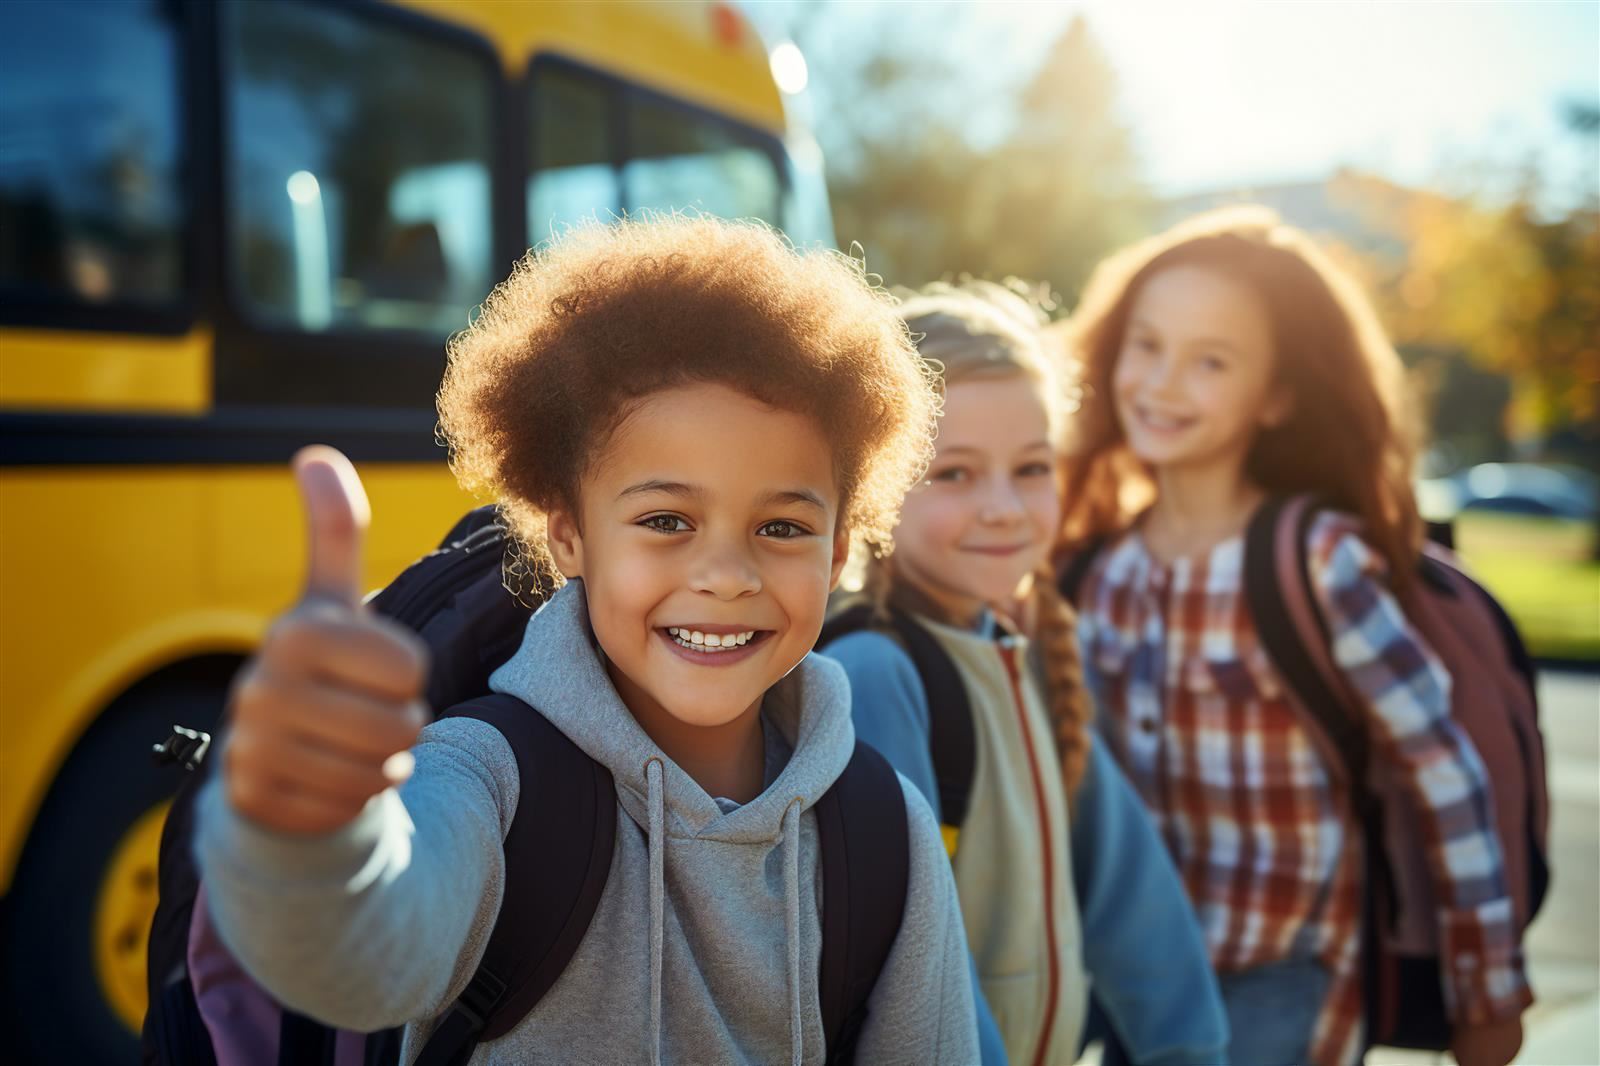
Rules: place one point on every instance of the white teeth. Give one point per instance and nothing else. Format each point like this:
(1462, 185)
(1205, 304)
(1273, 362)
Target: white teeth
(1159, 421)
(709, 642)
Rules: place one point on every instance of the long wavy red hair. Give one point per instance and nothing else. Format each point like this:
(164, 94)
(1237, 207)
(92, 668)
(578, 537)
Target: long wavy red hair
(1351, 437)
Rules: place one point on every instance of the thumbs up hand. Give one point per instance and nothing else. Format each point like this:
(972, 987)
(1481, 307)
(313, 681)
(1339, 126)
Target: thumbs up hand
(324, 715)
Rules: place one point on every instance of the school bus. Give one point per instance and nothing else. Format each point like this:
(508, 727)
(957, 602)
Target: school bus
(227, 230)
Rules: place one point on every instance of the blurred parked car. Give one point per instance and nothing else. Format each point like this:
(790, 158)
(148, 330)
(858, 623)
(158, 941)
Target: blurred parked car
(1513, 488)
(1531, 533)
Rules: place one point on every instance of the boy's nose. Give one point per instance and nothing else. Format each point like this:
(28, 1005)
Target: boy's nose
(726, 574)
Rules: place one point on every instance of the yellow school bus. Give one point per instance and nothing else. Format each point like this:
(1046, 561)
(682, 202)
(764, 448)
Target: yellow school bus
(227, 230)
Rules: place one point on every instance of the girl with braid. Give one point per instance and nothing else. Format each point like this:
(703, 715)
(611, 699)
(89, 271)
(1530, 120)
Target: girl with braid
(1061, 878)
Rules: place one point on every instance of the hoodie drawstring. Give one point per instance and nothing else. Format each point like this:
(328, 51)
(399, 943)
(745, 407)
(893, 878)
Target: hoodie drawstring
(791, 922)
(657, 805)
(658, 846)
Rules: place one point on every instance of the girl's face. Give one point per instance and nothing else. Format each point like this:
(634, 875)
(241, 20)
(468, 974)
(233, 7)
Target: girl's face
(708, 540)
(987, 514)
(1194, 381)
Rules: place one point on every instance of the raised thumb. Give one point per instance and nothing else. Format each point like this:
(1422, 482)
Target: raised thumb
(337, 515)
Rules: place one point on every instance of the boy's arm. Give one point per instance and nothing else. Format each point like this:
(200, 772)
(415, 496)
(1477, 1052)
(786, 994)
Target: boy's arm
(1142, 946)
(889, 708)
(382, 921)
(1408, 690)
(922, 1010)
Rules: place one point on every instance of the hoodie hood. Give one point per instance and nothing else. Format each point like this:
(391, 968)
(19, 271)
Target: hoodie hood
(690, 841)
(559, 670)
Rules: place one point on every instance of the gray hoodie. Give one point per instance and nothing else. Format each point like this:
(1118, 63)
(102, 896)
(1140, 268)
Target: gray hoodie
(706, 943)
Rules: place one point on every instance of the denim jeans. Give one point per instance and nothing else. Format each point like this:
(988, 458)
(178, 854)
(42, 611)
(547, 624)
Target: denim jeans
(1272, 1011)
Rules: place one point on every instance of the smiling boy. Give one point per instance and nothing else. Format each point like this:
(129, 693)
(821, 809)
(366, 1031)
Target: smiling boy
(687, 421)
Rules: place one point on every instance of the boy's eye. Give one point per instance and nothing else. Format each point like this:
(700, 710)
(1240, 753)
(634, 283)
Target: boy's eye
(665, 523)
(782, 530)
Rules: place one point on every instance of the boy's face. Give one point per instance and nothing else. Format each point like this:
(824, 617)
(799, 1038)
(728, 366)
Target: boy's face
(708, 539)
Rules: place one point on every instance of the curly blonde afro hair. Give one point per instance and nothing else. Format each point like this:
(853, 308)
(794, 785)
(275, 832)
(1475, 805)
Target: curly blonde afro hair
(607, 315)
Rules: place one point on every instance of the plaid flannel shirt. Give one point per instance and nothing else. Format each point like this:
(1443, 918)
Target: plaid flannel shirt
(1263, 837)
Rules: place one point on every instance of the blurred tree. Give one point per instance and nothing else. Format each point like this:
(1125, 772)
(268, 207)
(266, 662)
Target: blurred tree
(1066, 186)
(937, 169)
(1465, 407)
(1513, 288)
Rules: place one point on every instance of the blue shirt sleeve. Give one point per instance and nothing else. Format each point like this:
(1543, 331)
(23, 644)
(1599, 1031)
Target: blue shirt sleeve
(1142, 945)
(889, 708)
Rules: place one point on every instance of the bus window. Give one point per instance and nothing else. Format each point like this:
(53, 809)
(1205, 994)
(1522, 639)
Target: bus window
(574, 175)
(357, 171)
(91, 204)
(807, 216)
(678, 158)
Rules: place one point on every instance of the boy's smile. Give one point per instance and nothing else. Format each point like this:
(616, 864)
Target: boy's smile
(714, 645)
(707, 541)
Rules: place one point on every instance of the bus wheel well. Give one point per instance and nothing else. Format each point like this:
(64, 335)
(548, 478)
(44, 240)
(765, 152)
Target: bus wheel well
(213, 670)
(78, 914)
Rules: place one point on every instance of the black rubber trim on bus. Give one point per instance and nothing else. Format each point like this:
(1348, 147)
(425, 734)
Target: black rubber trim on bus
(228, 436)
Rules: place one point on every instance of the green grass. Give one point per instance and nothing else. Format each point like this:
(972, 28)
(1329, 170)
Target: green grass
(1545, 573)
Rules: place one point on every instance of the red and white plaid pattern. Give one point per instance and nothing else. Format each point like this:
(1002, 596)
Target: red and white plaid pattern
(1261, 834)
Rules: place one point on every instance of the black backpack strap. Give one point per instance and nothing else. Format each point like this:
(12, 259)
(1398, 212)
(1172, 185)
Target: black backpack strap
(952, 741)
(1278, 530)
(455, 599)
(470, 523)
(1076, 572)
(866, 863)
(951, 738)
(558, 858)
(303, 1040)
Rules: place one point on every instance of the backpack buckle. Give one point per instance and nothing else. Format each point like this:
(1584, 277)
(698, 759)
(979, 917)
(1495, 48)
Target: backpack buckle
(185, 746)
(480, 998)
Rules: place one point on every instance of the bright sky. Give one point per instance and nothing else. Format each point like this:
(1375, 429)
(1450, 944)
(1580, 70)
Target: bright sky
(1233, 91)
(1240, 92)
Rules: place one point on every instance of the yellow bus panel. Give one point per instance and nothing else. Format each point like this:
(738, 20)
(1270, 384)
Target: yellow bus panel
(199, 561)
(127, 373)
(705, 53)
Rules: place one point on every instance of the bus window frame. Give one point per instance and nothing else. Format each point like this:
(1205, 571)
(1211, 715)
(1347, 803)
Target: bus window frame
(620, 92)
(33, 309)
(262, 362)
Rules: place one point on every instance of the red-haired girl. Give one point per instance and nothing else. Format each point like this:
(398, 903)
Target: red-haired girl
(1225, 362)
